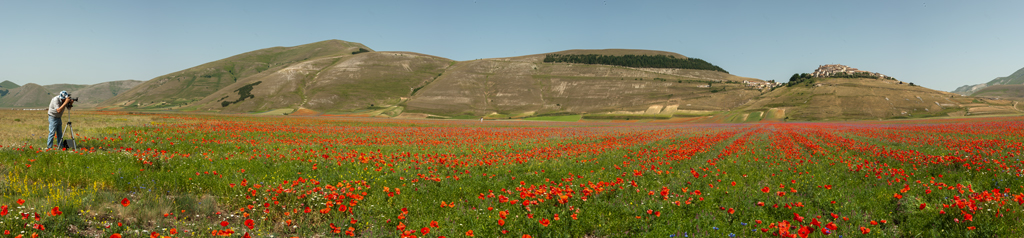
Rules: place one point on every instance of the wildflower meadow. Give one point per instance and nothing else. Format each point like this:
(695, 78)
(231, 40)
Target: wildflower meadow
(182, 175)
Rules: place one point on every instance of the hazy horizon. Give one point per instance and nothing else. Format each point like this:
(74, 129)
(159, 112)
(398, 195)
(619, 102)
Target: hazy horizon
(936, 44)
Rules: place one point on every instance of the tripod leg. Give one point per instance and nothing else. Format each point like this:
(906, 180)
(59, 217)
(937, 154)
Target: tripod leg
(73, 144)
(63, 137)
(69, 132)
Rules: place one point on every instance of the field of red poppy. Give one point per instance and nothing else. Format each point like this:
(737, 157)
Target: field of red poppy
(237, 176)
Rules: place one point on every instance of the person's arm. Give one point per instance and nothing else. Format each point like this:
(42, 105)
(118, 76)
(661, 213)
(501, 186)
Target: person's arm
(65, 104)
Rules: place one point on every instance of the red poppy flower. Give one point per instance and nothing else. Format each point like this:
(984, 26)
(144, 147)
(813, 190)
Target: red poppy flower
(55, 211)
(224, 223)
(115, 235)
(425, 230)
(544, 221)
(250, 224)
(921, 207)
(864, 230)
(804, 231)
(831, 226)
(469, 233)
(125, 202)
(433, 224)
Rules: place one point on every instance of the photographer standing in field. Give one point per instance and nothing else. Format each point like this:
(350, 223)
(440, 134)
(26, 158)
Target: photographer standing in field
(56, 109)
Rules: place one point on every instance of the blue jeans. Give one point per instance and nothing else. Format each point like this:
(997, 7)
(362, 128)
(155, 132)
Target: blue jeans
(55, 131)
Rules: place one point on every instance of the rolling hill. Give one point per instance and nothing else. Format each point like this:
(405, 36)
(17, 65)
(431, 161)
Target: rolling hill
(187, 86)
(35, 96)
(7, 84)
(29, 95)
(92, 95)
(1017, 78)
(336, 84)
(828, 99)
(353, 79)
(525, 86)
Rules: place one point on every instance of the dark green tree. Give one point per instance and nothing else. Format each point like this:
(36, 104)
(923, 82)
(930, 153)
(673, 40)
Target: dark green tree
(639, 61)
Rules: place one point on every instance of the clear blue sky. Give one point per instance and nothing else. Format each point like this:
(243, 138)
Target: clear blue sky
(937, 44)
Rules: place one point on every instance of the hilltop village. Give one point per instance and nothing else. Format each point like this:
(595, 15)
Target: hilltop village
(831, 70)
(823, 71)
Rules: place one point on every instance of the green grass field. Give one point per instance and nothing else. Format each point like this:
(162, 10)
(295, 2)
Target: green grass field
(187, 175)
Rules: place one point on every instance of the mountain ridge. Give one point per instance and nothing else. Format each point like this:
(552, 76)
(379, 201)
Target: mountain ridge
(339, 77)
(1016, 78)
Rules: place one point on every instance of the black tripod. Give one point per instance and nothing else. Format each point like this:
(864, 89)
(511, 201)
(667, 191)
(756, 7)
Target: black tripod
(68, 139)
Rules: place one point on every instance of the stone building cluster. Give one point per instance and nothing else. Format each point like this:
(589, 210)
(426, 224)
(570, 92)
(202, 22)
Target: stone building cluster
(762, 84)
(829, 70)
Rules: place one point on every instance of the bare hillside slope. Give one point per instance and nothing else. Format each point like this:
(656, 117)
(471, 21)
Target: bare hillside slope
(181, 88)
(526, 85)
(331, 84)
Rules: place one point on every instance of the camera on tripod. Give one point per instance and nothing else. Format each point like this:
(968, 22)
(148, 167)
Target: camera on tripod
(73, 99)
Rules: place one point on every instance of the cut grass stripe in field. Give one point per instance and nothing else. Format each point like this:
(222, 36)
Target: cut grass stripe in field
(555, 118)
